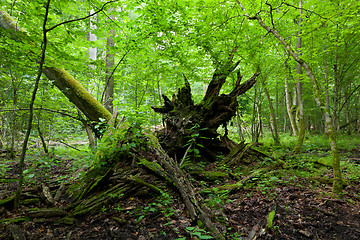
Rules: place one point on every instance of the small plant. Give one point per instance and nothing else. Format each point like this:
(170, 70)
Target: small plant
(118, 208)
(197, 232)
(193, 145)
(103, 209)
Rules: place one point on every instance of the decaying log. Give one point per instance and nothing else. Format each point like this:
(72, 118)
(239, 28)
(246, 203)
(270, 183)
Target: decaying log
(184, 120)
(46, 213)
(192, 200)
(46, 195)
(60, 191)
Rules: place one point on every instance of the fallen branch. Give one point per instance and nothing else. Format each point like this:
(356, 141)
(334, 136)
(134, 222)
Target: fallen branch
(69, 145)
(196, 210)
(325, 211)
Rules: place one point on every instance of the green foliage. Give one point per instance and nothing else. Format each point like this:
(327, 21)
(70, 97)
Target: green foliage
(161, 204)
(197, 232)
(193, 145)
(217, 199)
(100, 127)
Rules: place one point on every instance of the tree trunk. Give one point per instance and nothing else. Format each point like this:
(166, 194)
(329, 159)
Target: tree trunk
(187, 122)
(67, 84)
(289, 105)
(298, 85)
(109, 77)
(327, 93)
(273, 121)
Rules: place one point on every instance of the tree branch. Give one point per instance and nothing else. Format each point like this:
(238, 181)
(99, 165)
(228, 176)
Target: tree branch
(83, 18)
(62, 112)
(112, 73)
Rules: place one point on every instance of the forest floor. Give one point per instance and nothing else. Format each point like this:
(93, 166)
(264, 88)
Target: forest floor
(304, 207)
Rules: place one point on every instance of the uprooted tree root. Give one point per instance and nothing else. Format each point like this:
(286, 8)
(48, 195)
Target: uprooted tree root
(127, 165)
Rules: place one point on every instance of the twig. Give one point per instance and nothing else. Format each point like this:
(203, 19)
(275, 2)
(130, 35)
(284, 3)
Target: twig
(112, 73)
(62, 112)
(325, 211)
(69, 145)
(186, 152)
(83, 18)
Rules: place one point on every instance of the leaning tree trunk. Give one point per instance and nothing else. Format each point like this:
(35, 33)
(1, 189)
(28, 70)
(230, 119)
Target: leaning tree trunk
(66, 83)
(194, 126)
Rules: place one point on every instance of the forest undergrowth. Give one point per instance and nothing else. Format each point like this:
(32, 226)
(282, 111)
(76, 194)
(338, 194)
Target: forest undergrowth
(284, 196)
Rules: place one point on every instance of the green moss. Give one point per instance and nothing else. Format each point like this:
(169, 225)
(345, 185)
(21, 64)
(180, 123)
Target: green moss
(14, 220)
(270, 218)
(7, 201)
(325, 161)
(148, 185)
(77, 94)
(66, 221)
(225, 187)
(8, 23)
(154, 141)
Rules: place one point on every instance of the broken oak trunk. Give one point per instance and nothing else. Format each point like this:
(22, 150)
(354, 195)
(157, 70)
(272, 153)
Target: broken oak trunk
(193, 127)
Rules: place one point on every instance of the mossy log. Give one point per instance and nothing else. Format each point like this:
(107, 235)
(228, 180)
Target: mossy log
(14, 220)
(234, 187)
(124, 177)
(98, 200)
(46, 213)
(193, 201)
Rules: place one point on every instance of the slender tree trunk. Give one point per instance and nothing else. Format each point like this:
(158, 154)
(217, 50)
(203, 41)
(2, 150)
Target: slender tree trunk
(302, 126)
(338, 183)
(41, 136)
(290, 105)
(336, 91)
(28, 131)
(347, 111)
(327, 93)
(13, 121)
(273, 121)
(109, 77)
(255, 129)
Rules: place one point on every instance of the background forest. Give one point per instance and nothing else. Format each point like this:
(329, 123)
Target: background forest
(300, 119)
